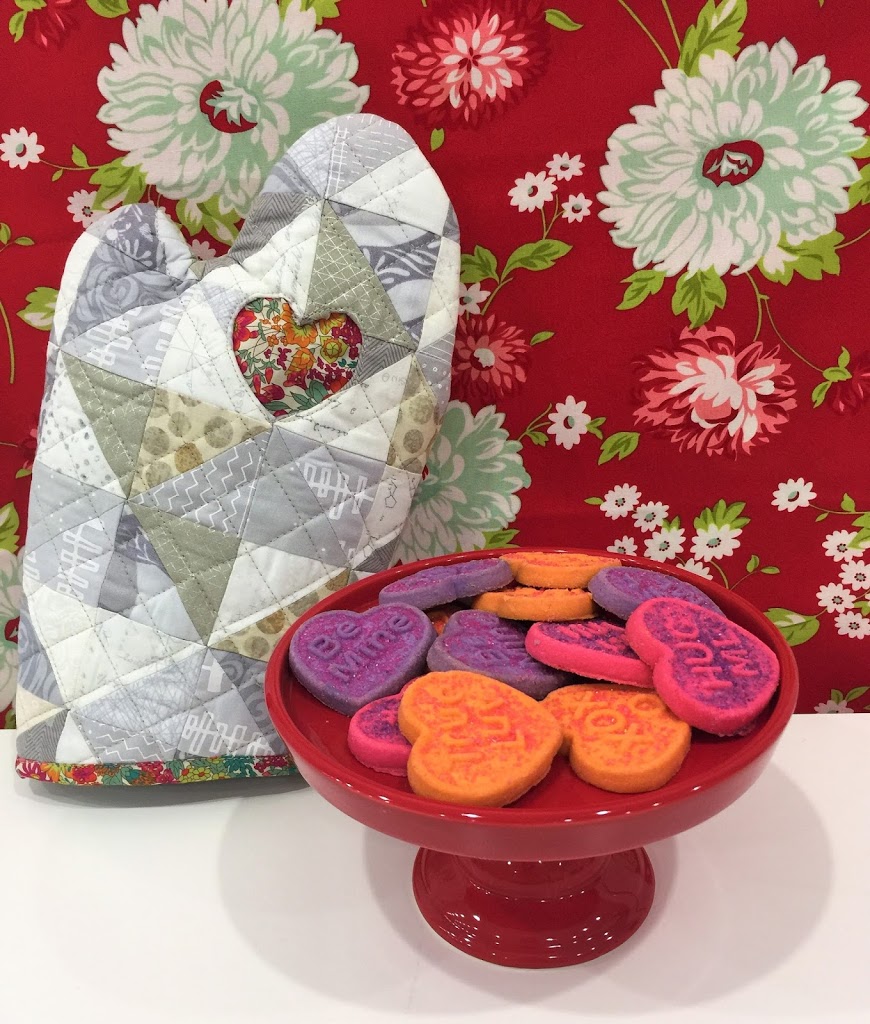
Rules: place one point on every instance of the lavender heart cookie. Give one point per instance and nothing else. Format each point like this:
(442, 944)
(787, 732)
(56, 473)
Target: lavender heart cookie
(348, 659)
(620, 590)
(709, 671)
(594, 648)
(444, 583)
(481, 642)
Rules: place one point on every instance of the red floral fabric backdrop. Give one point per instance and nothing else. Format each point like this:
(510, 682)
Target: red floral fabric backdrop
(664, 217)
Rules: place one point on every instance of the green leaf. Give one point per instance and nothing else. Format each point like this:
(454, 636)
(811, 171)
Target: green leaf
(856, 692)
(847, 503)
(859, 192)
(795, 628)
(5, 234)
(641, 284)
(819, 392)
(863, 607)
(594, 501)
(189, 216)
(322, 8)
(436, 139)
(541, 336)
(58, 174)
(499, 538)
(24, 240)
(478, 266)
(78, 157)
(753, 563)
(833, 373)
(30, 5)
(717, 28)
(837, 695)
(117, 183)
(537, 255)
(109, 8)
(863, 151)
(538, 438)
(809, 259)
(674, 524)
(858, 542)
(594, 427)
(9, 523)
(700, 295)
(23, 472)
(770, 570)
(862, 521)
(619, 445)
(843, 360)
(16, 25)
(219, 221)
(560, 20)
(39, 311)
(822, 517)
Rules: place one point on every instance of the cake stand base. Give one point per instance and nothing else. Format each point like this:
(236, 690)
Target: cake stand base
(538, 914)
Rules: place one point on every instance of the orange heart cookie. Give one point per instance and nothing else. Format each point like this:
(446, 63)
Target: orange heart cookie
(535, 605)
(556, 569)
(475, 740)
(619, 738)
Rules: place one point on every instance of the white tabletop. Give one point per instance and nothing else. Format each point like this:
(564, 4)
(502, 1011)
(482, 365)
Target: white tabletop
(258, 902)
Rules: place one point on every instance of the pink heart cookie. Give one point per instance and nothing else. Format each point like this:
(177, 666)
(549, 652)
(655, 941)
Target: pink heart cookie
(593, 648)
(374, 737)
(709, 671)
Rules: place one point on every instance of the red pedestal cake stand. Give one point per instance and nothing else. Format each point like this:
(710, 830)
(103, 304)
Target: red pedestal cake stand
(560, 877)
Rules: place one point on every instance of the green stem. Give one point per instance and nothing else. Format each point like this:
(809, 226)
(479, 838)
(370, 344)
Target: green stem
(852, 241)
(63, 167)
(495, 292)
(764, 302)
(538, 421)
(673, 26)
(837, 511)
(544, 222)
(734, 586)
(8, 444)
(722, 574)
(11, 345)
(758, 302)
(556, 214)
(645, 31)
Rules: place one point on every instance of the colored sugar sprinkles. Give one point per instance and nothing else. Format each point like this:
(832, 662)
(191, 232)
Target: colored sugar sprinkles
(347, 659)
(474, 704)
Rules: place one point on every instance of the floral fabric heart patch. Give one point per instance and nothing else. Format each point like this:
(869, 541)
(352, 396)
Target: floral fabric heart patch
(291, 366)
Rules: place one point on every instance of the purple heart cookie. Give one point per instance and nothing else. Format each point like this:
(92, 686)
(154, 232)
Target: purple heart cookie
(482, 642)
(620, 590)
(348, 659)
(593, 648)
(374, 737)
(709, 671)
(445, 583)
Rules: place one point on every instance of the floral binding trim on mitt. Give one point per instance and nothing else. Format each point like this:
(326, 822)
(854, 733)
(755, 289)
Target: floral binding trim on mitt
(156, 773)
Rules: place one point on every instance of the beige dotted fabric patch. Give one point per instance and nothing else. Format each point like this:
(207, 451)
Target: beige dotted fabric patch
(415, 424)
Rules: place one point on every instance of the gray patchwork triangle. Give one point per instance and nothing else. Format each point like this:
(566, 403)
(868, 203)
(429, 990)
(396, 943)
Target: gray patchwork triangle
(370, 146)
(216, 493)
(172, 690)
(380, 559)
(376, 356)
(246, 675)
(35, 673)
(271, 212)
(59, 503)
(39, 743)
(114, 745)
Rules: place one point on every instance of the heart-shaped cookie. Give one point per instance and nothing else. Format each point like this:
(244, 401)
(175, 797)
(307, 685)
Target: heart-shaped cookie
(709, 671)
(445, 583)
(619, 738)
(348, 659)
(482, 642)
(374, 738)
(620, 590)
(562, 569)
(535, 605)
(593, 648)
(475, 740)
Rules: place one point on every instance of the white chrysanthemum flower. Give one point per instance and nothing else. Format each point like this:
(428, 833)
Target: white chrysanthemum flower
(837, 545)
(793, 494)
(650, 515)
(834, 707)
(853, 624)
(728, 161)
(623, 546)
(472, 297)
(565, 167)
(206, 95)
(664, 545)
(856, 575)
(620, 501)
(568, 422)
(532, 192)
(698, 568)
(19, 148)
(715, 542)
(834, 597)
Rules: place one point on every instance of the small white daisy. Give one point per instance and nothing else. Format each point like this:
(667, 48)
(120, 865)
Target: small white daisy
(856, 575)
(650, 515)
(665, 544)
(852, 624)
(834, 707)
(836, 545)
(565, 167)
(532, 192)
(576, 208)
(624, 546)
(81, 205)
(698, 568)
(793, 494)
(202, 250)
(715, 542)
(834, 597)
(620, 501)
(19, 147)
(569, 422)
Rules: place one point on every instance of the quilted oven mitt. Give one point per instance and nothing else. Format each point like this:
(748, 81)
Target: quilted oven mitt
(176, 526)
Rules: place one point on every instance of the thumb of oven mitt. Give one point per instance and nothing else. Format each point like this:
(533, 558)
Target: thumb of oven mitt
(177, 527)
